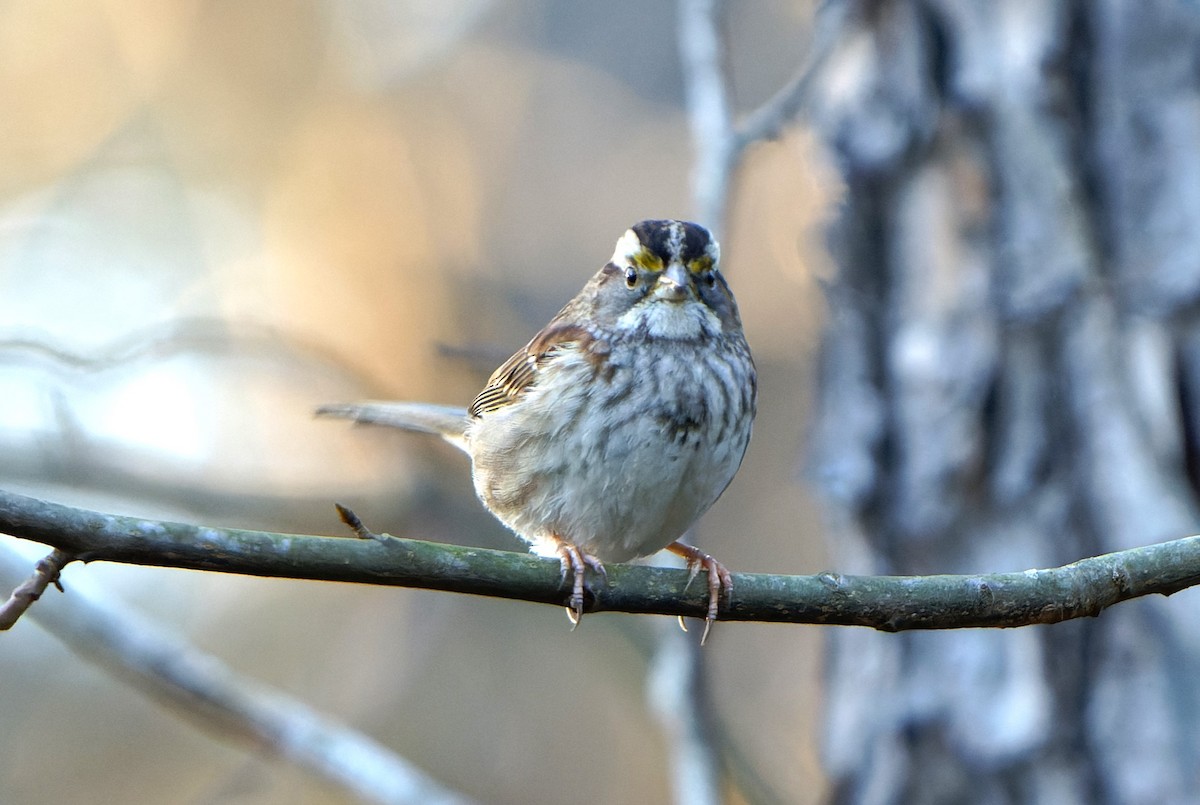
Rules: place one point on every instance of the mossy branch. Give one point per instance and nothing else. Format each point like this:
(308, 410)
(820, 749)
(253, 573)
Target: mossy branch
(889, 603)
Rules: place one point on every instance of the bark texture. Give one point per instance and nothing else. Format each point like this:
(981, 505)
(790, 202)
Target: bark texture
(1010, 378)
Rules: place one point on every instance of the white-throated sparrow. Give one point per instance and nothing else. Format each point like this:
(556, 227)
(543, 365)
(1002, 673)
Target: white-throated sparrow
(621, 422)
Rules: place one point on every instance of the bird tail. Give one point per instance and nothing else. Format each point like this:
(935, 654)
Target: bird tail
(446, 421)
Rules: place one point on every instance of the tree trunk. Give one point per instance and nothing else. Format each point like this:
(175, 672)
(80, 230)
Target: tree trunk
(1010, 378)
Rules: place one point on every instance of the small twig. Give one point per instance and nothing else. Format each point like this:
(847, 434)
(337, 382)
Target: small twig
(351, 519)
(768, 121)
(46, 572)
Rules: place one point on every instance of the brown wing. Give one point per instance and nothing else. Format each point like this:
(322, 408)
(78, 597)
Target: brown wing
(517, 374)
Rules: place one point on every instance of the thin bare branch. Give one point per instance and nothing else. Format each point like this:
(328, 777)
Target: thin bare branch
(710, 112)
(45, 573)
(679, 694)
(889, 603)
(768, 121)
(226, 702)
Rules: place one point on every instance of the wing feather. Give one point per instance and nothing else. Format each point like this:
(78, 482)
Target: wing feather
(520, 372)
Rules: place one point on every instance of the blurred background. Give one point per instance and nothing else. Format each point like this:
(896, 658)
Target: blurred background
(216, 216)
(970, 279)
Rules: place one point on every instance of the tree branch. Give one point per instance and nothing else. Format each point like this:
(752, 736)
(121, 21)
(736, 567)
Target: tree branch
(710, 112)
(45, 573)
(678, 691)
(718, 141)
(889, 603)
(226, 702)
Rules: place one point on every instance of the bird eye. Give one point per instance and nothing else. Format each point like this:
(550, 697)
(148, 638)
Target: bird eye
(709, 279)
(631, 277)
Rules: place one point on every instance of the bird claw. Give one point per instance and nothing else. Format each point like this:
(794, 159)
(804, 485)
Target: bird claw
(720, 581)
(576, 562)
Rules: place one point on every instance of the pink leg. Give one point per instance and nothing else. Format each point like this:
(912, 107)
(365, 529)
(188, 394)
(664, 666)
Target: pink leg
(719, 579)
(576, 562)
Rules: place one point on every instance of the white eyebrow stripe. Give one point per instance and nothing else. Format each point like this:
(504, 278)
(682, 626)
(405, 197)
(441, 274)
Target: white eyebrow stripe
(627, 246)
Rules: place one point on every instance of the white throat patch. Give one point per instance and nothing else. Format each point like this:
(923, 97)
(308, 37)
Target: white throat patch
(663, 319)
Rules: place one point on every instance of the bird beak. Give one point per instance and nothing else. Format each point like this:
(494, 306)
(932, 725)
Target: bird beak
(673, 284)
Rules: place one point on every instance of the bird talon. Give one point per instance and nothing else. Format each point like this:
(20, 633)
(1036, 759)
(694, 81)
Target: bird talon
(595, 565)
(576, 562)
(720, 582)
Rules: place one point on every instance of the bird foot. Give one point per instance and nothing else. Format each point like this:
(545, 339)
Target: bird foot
(575, 563)
(719, 580)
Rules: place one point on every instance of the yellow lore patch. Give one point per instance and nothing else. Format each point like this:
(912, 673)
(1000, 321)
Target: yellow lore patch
(647, 260)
